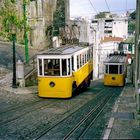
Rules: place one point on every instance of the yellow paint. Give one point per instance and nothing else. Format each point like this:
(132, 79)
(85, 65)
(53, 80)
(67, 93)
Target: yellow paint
(114, 79)
(82, 73)
(62, 88)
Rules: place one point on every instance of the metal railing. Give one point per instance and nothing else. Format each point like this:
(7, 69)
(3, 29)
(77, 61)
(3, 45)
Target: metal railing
(30, 67)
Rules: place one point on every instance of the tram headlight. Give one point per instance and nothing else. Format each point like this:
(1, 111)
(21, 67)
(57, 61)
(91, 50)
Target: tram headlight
(52, 84)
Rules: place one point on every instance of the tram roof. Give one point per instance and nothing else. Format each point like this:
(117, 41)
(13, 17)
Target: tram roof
(116, 59)
(63, 50)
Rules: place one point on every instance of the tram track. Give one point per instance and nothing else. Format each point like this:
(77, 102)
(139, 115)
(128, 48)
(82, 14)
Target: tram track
(69, 117)
(28, 129)
(75, 123)
(92, 114)
(18, 112)
(52, 125)
(8, 109)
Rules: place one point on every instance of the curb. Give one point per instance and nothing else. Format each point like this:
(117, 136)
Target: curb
(112, 119)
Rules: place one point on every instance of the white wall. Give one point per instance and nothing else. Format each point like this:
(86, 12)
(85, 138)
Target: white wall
(120, 28)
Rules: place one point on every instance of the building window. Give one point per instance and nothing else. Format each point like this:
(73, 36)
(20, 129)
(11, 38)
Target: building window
(109, 32)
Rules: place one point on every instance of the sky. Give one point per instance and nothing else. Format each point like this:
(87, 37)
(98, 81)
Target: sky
(92, 7)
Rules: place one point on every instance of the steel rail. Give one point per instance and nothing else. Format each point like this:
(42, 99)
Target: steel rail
(105, 100)
(24, 112)
(65, 118)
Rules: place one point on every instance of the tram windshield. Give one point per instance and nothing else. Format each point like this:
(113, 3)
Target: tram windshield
(54, 67)
(114, 69)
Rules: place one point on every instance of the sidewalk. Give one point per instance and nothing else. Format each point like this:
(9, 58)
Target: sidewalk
(123, 123)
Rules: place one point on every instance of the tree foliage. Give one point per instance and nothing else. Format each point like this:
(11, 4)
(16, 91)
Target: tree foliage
(133, 15)
(9, 17)
(102, 15)
(132, 22)
(59, 17)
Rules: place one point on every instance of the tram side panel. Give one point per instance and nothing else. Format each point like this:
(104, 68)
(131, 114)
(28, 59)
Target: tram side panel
(83, 74)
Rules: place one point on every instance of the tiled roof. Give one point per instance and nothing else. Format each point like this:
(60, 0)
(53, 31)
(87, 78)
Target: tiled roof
(111, 39)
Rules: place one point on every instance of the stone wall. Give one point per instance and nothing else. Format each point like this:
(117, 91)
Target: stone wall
(40, 17)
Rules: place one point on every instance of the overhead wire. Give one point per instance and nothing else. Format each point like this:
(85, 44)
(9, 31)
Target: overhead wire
(107, 5)
(110, 11)
(93, 7)
(126, 6)
(125, 10)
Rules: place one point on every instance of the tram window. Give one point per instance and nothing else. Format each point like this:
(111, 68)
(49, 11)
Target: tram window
(113, 69)
(85, 57)
(52, 67)
(78, 62)
(46, 66)
(88, 55)
(69, 66)
(121, 69)
(72, 63)
(40, 66)
(64, 67)
(106, 68)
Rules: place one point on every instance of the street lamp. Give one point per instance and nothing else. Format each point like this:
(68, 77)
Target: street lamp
(13, 32)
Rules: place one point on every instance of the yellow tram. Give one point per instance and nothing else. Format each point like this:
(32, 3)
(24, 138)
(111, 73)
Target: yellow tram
(64, 69)
(115, 70)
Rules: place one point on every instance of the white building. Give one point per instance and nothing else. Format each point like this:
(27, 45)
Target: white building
(114, 27)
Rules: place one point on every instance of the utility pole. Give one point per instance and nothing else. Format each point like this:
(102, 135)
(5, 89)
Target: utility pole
(25, 31)
(137, 54)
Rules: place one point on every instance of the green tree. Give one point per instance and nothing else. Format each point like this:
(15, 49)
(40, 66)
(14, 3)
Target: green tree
(132, 22)
(9, 17)
(59, 17)
(133, 15)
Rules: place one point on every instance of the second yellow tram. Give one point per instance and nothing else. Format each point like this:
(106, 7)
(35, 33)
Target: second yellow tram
(115, 70)
(64, 69)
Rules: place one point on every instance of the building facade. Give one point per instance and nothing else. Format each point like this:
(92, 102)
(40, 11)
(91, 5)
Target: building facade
(111, 27)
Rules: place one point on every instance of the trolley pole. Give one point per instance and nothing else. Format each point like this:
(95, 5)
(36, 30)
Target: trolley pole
(137, 55)
(25, 31)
